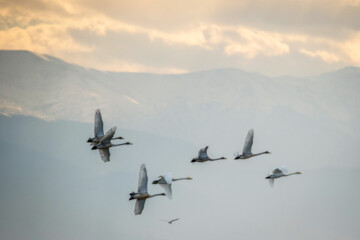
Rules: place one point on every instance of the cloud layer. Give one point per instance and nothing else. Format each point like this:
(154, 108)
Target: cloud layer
(272, 37)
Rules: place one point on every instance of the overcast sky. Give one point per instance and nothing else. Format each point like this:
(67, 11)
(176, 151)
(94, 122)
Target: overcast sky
(270, 37)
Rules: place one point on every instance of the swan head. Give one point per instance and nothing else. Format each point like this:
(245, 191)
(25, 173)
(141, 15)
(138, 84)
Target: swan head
(240, 157)
(298, 172)
(94, 147)
(223, 158)
(155, 181)
(128, 143)
(268, 176)
(267, 152)
(89, 140)
(189, 178)
(193, 160)
(132, 196)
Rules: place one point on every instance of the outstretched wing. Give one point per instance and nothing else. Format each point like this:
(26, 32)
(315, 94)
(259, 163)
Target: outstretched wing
(105, 154)
(167, 177)
(248, 142)
(168, 191)
(203, 152)
(280, 170)
(283, 169)
(139, 206)
(143, 179)
(271, 182)
(174, 220)
(108, 136)
(99, 125)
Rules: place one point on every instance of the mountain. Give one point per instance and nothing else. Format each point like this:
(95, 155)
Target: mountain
(320, 114)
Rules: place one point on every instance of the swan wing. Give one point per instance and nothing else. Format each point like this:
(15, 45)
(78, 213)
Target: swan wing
(167, 177)
(105, 154)
(271, 182)
(139, 206)
(99, 125)
(174, 220)
(168, 190)
(108, 136)
(143, 179)
(203, 152)
(280, 170)
(248, 142)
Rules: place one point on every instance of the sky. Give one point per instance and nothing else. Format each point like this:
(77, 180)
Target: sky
(52, 186)
(273, 37)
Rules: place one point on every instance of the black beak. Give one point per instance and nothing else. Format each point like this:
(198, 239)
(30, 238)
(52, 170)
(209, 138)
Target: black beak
(94, 148)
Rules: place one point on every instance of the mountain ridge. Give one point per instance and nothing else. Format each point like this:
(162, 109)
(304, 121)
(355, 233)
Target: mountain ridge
(50, 58)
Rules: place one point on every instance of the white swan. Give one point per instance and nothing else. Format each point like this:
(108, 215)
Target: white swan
(203, 157)
(279, 172)
(98, 129)
(105, 144)
(142, 193)
(247, 147)
(165, 181)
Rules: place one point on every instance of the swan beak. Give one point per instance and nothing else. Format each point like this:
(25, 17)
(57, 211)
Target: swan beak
(299, 172)
(190, 178)
(94, 148)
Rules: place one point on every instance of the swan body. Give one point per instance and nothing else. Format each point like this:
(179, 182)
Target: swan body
(105, 143)
(203, 157)
(278, 173)
(247, 147)
(142, 193)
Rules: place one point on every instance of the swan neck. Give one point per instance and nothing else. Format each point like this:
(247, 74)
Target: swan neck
(159, 194)
(177, 179)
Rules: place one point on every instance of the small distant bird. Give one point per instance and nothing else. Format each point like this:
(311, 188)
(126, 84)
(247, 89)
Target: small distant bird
(105, 144)
(278, 173)
(247, 147)
(171, 221)
(203, 157)
(165, 181)
(98, 129)
(142, 193)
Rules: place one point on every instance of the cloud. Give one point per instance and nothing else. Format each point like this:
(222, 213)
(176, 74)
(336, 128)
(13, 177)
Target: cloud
(201, 42)
(131, 99)
(325, 56)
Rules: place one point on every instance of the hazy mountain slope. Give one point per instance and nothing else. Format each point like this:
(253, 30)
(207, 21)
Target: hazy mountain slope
(52, 89)
(299, 120)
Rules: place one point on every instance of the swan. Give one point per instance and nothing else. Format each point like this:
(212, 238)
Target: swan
(165, 181)
(278, 173)
(142, 193)
(105, 144)
(171, 221)
(203, 157)
(98, 129)
(247, 147)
